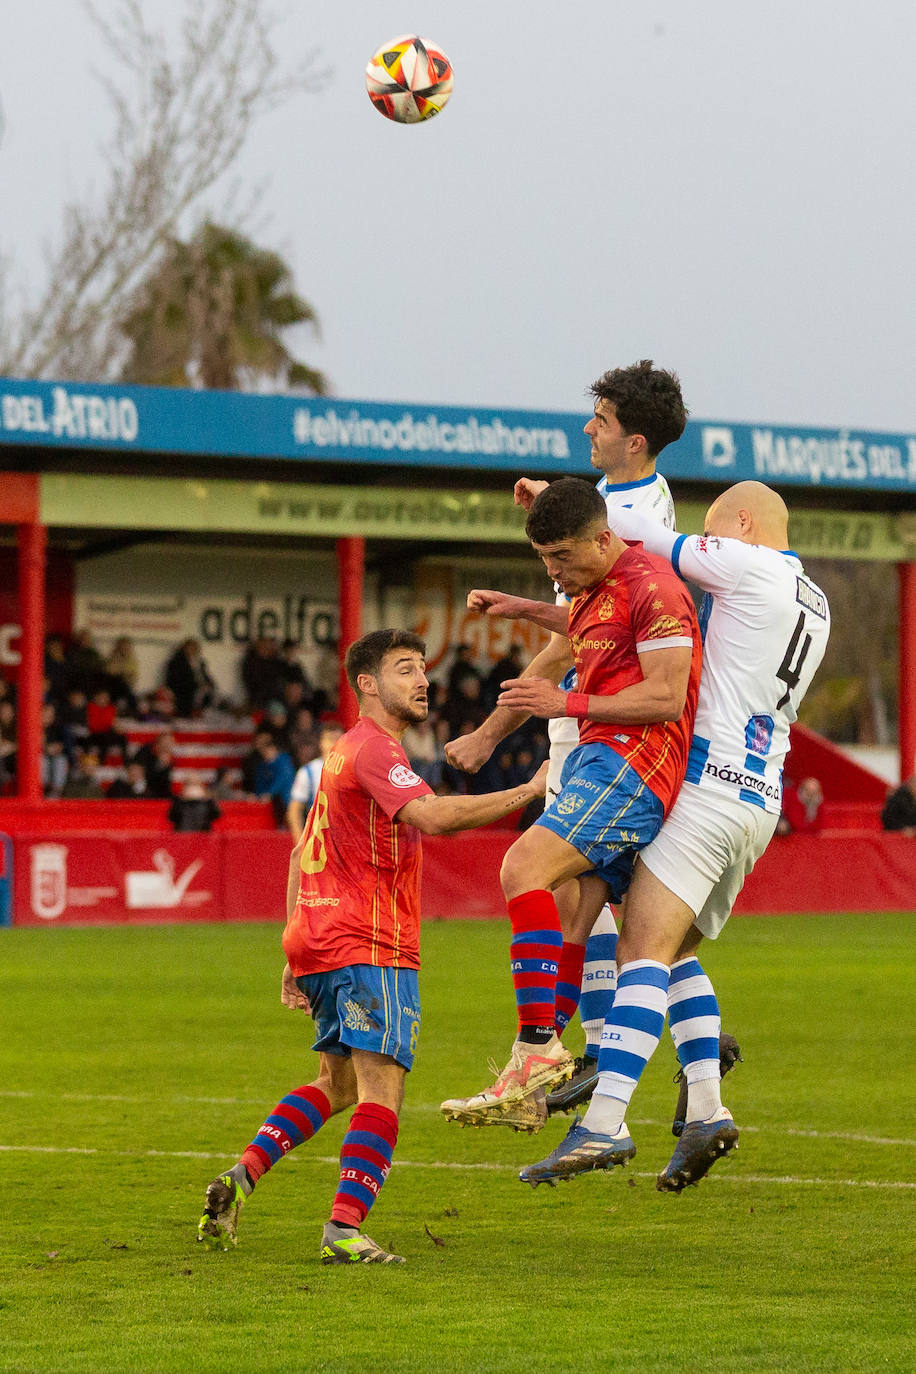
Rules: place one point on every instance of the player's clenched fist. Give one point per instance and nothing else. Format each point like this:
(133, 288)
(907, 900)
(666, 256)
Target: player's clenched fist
(526, 489)
(496, 604)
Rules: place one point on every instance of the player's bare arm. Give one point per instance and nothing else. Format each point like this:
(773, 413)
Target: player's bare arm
(292, 880)
(443, 815)
(660, 696)
(470, 752)
(543, 613)
(526, 489)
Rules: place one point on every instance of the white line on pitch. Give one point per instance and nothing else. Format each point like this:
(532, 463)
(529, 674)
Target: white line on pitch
(447, 1164)
(181, 1099)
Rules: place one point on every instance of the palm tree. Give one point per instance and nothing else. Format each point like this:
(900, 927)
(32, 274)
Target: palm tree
(211, 314)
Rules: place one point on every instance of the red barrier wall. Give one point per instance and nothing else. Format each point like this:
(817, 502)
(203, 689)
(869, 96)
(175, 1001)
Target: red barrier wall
(148, 876)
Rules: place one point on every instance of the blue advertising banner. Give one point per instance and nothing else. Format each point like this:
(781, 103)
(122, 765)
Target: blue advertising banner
(231, 424)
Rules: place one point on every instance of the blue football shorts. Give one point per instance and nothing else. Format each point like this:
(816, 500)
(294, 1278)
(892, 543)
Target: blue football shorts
(362, 1007)
(606, 811)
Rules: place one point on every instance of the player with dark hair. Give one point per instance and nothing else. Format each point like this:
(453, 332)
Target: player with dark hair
(766, 626)
(638, 411)
(352, 945)
(636, 644)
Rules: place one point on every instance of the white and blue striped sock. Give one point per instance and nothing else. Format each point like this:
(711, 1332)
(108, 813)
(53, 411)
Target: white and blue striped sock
(599, 979)
(628, 1041)
(693, 1015)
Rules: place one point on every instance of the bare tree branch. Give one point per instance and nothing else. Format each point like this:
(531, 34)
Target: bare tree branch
(180, 119)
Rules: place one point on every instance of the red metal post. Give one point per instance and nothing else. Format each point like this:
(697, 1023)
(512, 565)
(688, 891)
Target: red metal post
(906, 715)
(32, 548)
(351, 564)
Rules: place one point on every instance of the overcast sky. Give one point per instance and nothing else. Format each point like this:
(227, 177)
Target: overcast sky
(725, 187)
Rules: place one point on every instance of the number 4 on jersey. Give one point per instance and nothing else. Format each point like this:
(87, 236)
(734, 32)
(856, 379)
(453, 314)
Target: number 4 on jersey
(789, 672)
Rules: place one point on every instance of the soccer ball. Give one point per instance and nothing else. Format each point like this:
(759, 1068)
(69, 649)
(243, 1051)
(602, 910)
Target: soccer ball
(409, 79)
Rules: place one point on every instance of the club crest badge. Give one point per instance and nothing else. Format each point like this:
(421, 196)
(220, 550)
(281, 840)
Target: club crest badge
(569, 805)
(606, 607)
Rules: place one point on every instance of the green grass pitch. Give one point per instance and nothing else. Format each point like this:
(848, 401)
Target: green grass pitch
(138, 1062)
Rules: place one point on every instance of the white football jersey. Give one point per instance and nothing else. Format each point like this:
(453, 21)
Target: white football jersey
(765, 627)
(652, 498)
(305, 783)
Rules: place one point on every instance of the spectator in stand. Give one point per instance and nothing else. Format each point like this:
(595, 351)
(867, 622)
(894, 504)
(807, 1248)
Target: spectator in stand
(82, 781)
(262, 673)
(461, 669)
(7, 741)
(305, 783)
(249, 765)
(221, 789)
(275, 720)
(899, 811)
(273, 780)
(54, 762)
(188, 679)
(465, 704)
(123, 671)
(71, 717)
(85, 665)
(57, 671)
(425, 755)
(293, 671)
(510, 666)
(801, 808)
(303, 733)
(157, 758)
(326, 677)
(130, 784)
(195, 809)
(100, 718)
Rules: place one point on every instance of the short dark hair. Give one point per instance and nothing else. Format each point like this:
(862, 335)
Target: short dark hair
(647, 401)
(567, 509)
(365, 655)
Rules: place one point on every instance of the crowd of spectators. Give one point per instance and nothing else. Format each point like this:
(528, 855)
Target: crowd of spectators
(458, 706)
(88, 696)
(87, 693)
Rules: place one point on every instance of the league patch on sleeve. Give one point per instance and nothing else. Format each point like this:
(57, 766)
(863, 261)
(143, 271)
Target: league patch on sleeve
(402, 776)
(664, 626)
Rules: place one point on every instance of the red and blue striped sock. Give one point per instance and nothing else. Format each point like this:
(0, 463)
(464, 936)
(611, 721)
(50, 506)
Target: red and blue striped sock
(535, 952)
(293, 1120)
(365, 1159)
(569, 982)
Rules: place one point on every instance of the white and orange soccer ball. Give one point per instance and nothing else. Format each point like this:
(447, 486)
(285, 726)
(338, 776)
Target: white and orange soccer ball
(409, 79)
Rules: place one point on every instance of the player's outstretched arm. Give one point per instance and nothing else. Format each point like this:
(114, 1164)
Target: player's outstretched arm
(444, 815)
(544, 613)
(470, 752)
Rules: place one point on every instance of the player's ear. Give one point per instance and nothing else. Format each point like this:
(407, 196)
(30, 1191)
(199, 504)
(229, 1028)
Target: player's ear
(366, 685)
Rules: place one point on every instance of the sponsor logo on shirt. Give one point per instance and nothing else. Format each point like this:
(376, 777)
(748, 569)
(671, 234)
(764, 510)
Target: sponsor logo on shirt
(402, 776)
(707, 542)
(751, 781)
(578, 644)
